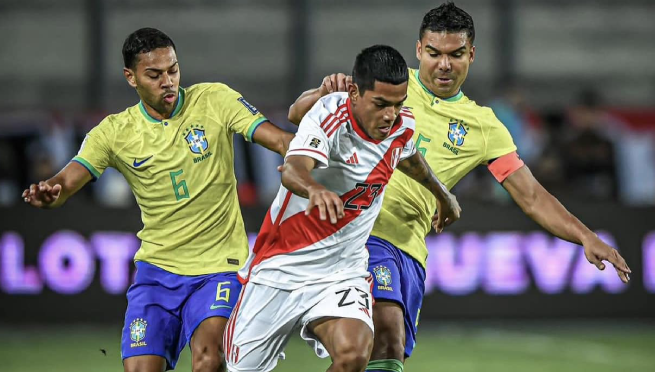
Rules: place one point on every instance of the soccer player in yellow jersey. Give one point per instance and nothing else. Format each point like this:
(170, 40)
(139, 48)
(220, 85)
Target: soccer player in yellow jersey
(175, 150)
(455, 135)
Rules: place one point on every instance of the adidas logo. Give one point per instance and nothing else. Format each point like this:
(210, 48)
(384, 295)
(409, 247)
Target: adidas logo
(353, 159)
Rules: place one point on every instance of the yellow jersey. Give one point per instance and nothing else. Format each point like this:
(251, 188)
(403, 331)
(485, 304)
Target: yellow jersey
(454, 135)
(181, 171)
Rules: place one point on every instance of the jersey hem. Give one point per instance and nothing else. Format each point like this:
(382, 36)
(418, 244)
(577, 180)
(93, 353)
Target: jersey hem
(94, 172)
(422, 262)
(253, 127)
(187, 272)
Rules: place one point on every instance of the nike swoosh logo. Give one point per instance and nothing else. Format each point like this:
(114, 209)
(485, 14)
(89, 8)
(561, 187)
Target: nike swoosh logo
(137, 164)
(214, 307)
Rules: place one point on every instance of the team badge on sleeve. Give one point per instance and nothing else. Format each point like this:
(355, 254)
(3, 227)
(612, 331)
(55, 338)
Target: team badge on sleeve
(253, 110)
(314, 142)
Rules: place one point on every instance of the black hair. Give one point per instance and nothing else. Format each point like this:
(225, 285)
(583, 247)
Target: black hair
(379, 63)
(144, 40)
(448, 17)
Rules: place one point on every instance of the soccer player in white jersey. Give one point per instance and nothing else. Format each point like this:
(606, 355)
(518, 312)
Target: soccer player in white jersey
(308, 268)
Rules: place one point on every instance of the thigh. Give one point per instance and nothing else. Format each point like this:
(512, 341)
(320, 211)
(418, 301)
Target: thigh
(389, 322)
(216, 297)
(207, 339)
(385, 268)
(413, 283)
(144, 363)
(259, 328)
(338, 336)
(152, 319)
(349, 300)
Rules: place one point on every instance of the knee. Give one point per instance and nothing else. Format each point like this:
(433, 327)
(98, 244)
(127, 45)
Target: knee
(389, 344)
(208, 361)
(352, 358)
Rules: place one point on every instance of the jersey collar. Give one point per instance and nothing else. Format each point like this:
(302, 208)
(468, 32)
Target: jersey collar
(178, 107)
(454, 98)
(358, 129)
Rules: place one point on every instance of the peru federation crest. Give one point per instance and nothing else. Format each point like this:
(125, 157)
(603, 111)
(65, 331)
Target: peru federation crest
(196, 139)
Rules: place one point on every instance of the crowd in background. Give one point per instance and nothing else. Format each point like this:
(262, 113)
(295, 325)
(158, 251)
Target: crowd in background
(583, 151)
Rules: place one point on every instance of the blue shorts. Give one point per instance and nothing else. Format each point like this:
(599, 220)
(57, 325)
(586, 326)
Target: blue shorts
(164, 309)
(398, 278)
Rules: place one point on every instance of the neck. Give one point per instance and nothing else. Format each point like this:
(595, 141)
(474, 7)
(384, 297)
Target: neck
(155, 114)
(427, 85)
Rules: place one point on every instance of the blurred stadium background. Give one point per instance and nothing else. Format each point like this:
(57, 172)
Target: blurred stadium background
(573, 81)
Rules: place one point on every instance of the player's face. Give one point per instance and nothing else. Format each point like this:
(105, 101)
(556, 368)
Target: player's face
(156, 79)
(444, 60)
(377, 109)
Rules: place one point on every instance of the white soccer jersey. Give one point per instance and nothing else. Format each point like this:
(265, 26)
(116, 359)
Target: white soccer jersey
(292, 249)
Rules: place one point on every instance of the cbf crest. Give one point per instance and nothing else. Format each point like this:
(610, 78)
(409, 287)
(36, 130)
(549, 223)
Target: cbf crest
(196, 139)
(383, 277)
(457, 130)
(138, 332)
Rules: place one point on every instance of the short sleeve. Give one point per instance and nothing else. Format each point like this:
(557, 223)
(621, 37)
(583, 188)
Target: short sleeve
(311, 140)
(241, 117)
(499, 141)
(95, 152)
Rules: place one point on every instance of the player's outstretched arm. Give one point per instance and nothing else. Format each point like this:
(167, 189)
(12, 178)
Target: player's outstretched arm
(448, 210)
(548, 212)
(54, 192)
(330, 84)
(297, 178)
(272, 137)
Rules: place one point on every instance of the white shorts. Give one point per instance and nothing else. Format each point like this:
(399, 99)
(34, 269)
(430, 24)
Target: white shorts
(264, 319)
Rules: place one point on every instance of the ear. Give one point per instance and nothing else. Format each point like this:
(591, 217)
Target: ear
(418, 50)
(353, 92)
(472, 58)
(130, 77)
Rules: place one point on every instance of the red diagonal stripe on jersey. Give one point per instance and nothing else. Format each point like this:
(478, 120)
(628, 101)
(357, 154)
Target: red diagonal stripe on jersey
(300, 231)
(337, 123)
(407, 112)
(356, 159)
(332, 117)
(337, 126)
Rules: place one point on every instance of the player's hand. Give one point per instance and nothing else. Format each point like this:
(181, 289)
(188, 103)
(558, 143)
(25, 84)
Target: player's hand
(448, 211)
(335, 83)
(41, 195)
(328, 203)
(597, 251)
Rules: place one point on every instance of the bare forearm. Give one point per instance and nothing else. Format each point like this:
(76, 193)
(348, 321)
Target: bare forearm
(303, 104)
(550, 214)
(71, 179)
(298, 181)
(417, 168)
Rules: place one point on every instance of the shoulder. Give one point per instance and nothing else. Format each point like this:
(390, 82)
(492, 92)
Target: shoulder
(209, 89)
(484, 115)
(218, 94)
(116, 123)
(334, 104)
